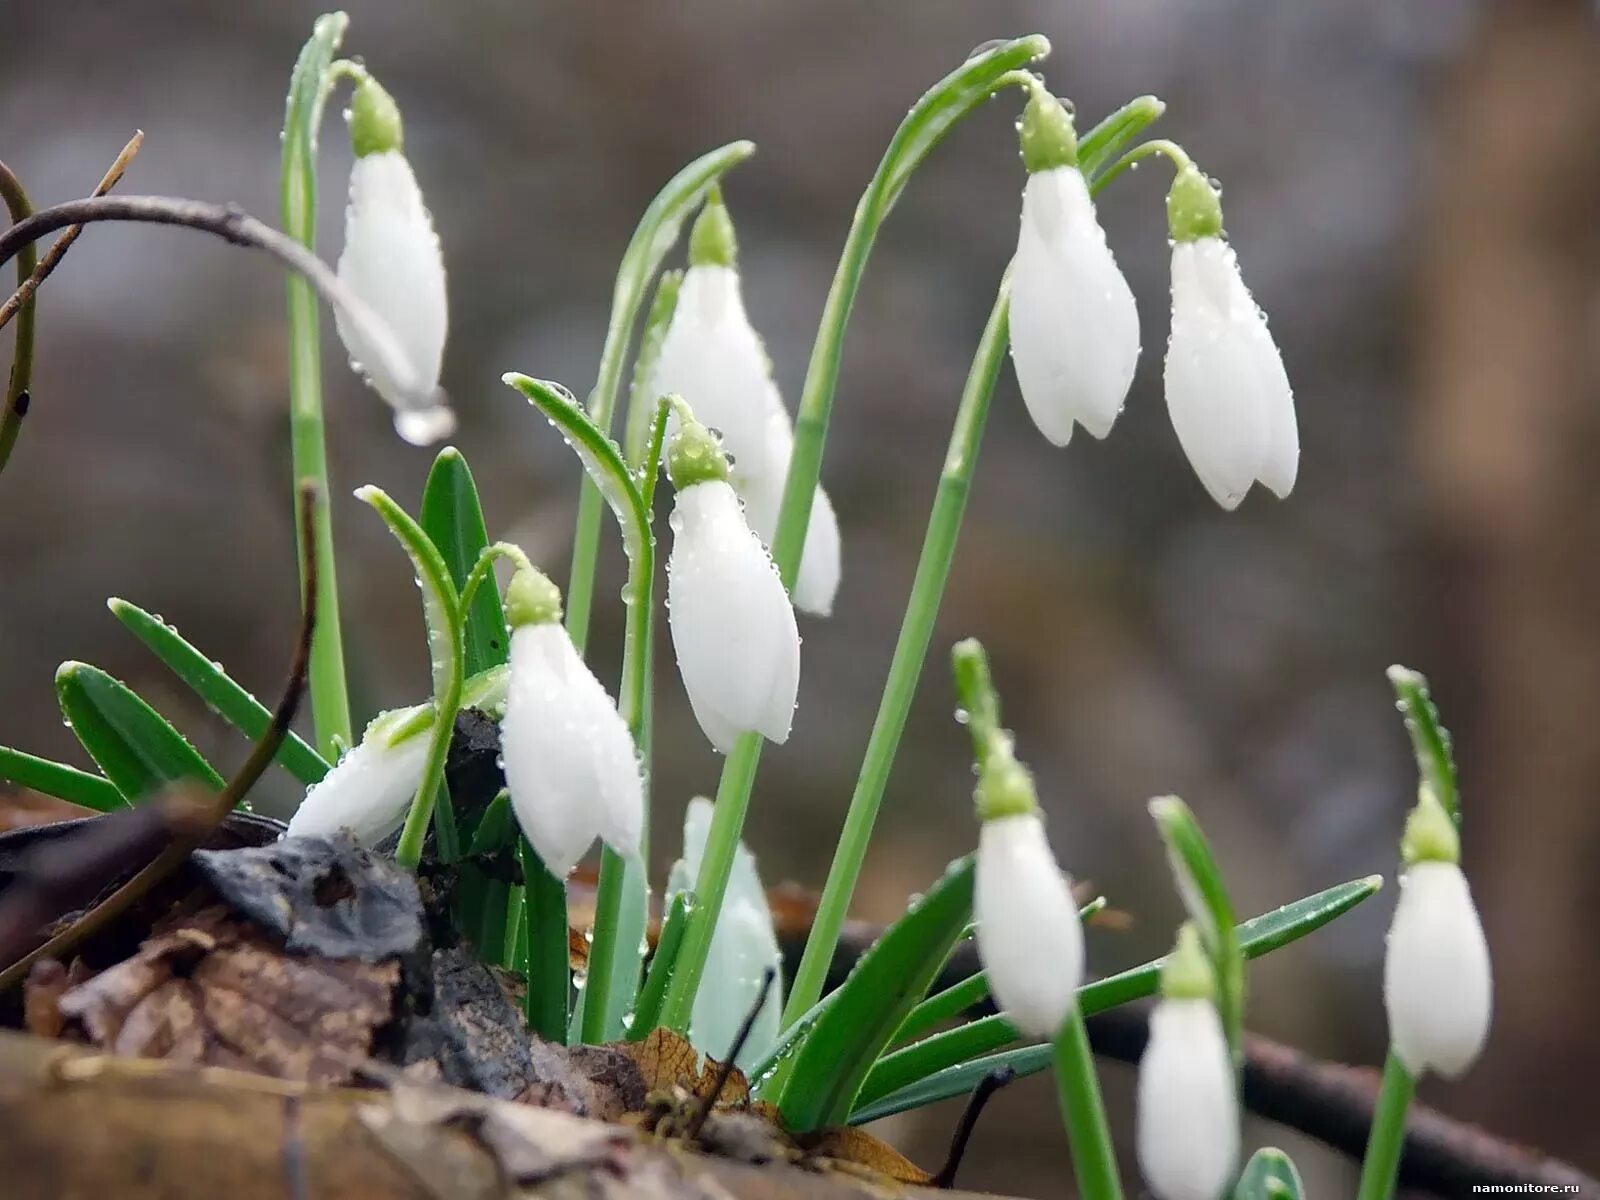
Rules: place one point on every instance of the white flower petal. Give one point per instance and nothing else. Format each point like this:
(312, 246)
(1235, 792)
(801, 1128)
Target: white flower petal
(392, 262)
(1188, 1117)
(1074, 325)
(733, 627)
(743, 946)
(817, 582)
(570, 764)
(1227, 392)
(1437, 987)
(1029, 936)
(713, 358)
(367, 794)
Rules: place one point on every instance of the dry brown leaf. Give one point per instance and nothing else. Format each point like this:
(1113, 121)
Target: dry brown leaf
(848, 1146)
(667, 1060)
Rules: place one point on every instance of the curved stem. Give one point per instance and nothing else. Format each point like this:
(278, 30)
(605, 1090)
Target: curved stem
(1381, 1166)
(910, 651)
(944, 106)
(308, 94)
(1178, 156)
(16, 404)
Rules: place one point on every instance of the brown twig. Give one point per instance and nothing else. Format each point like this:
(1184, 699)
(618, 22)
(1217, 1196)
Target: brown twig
(697, 1122)
(53, 256)
(185, 822)
(16, 403)
(981, 1095)
(1333, 1103)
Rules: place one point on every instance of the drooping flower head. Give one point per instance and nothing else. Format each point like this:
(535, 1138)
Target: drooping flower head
(370, 789)
(1030, 937)
(392, 262)
(1074, 327)
(733, 627)
(570, 763)
(1227, 393)
(1188, 1117)
(1437, 984)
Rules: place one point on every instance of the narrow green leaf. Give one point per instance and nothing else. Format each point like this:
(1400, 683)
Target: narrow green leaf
(1200, 884)
(442, 615)
(212, 684)
(133, 744)
(647, 1015)
(1429, 738)
(59, 780)
(1269, 1175)
(452, 517)
(942, 1066)
(882, 988)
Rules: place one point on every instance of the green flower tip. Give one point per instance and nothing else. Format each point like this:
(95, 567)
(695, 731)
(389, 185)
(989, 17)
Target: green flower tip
(1005, 786)
(531, 599)
(1186, 974)
(1046, 133)
(374, 120)
(1430, 834)
(1194, 206)
(711, 241)
(694, 455)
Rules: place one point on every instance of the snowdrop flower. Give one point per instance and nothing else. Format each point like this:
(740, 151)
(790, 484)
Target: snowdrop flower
(733, 627)
(1030, 939)
(817, 581)
(369, 791)
(1074, 327)
(743, 946)
(1188, 1123)
(570, 763)
(1436, 980)
(1227, 392)
(392, 263)
(711, 356)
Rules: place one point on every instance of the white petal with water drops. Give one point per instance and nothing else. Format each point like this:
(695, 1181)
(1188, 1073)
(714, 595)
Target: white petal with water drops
(1227, 393)
(743, 946)
(570, 764)
(1029, 936)
(1437, 986)
(817, 582)
(1074, 325)
(392, 262)
(1188, 1115)
(368, 792)
(713, 358)
(733, 628)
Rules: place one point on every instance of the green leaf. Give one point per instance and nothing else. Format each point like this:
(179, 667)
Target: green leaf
(1431, 740)
(453, 520)
(1200, 884)
(59, 780)
(647, 1015)
(942, 1066)
(133, 744)
(1269, 1175)
(212, 684)
(1107, 139)
(882, 988)
(442, 615)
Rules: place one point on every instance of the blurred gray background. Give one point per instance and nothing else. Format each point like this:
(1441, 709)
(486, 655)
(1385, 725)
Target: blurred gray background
(1412, 186)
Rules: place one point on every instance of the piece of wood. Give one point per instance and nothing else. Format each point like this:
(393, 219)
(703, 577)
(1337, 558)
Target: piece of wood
(83, 1126)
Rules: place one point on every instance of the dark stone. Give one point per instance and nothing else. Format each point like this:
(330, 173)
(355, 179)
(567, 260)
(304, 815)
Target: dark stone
(322, 896)
(473, 1033)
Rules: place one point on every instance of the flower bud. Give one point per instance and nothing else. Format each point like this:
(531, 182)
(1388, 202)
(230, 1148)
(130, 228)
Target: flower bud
(368, 792)
(1227, 393)
(816, 583)
(1030, 939)
(1074, 326)
(570, 763)
(391, 261)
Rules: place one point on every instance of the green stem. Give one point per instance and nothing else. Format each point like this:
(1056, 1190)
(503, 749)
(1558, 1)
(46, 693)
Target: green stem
(1381, 1166)
(1094, 1163)
(910, 651)
(308, 92)
(544, 916)
(16, 404)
